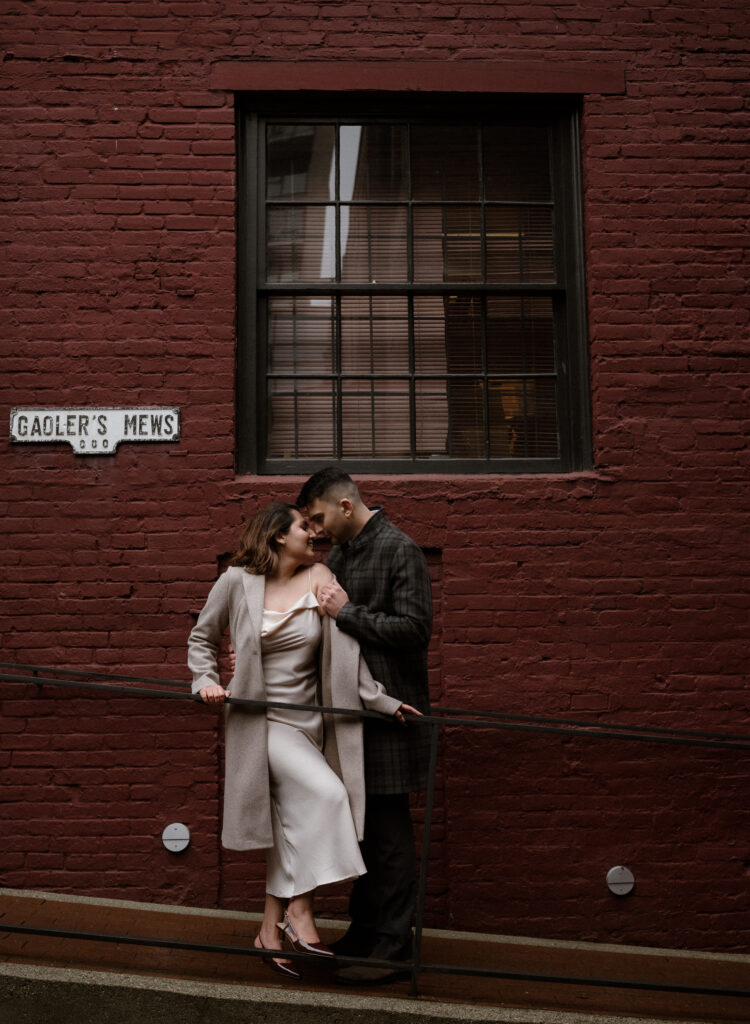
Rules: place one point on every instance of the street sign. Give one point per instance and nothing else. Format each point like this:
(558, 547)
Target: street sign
(94, 431)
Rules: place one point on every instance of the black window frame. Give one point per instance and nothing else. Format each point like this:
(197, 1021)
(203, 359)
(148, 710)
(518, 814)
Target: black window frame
(562, 114)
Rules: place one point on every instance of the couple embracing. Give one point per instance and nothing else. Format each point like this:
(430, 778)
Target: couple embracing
(329, 801)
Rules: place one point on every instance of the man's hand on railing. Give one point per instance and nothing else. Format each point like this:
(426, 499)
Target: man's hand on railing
(399, 715)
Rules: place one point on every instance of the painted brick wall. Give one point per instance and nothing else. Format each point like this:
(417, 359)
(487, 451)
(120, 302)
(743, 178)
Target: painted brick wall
(620, 594)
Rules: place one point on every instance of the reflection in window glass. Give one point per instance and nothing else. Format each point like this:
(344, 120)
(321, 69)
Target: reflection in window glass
(515, 163)
(374, 247)
(300, 335)
(519, 244)
(377, 419)
(298, 161)
(374, 334)
(520, 335)
(445, 162)
(301, 418)
(429, 334)
(447, 243)
(300, 245)
(382, 160)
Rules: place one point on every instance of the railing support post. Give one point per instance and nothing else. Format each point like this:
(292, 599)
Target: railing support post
(427, 828)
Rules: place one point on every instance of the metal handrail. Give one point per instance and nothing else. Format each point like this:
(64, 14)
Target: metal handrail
(469, 717)
(440, 717)
(476, 972)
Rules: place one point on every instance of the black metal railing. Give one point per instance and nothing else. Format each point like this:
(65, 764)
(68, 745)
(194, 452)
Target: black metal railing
(440, 717)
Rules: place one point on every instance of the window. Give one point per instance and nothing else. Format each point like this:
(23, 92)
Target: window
(411, 288)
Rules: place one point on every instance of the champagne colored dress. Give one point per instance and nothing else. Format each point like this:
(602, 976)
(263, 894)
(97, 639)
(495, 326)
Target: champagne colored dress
(315, 841)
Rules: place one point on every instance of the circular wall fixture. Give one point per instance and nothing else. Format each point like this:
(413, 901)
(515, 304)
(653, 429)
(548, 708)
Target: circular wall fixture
(176, 837)
(620, 881)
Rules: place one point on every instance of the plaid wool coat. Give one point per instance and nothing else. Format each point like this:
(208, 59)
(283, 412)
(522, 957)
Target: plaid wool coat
(389, 613)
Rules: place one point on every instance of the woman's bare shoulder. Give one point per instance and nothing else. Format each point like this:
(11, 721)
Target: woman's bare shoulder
(321, 574)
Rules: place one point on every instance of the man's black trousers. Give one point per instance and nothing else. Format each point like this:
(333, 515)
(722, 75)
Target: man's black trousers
(382, 902)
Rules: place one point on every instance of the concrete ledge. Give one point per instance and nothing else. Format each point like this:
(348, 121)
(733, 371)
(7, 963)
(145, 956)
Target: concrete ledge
(39, 995)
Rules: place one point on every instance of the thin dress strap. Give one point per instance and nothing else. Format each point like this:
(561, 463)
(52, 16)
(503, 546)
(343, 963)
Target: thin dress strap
(309, 577)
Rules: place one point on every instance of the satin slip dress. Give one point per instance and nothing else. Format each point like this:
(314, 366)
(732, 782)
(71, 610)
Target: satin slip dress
(314, 838)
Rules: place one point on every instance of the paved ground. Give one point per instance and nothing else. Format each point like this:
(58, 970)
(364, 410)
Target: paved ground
(46, 980)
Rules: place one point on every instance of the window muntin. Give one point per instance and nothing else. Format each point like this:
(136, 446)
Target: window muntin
(413, 295)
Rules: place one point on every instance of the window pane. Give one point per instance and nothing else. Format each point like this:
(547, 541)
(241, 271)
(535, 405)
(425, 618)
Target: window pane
(299, 161)
(519, 244)
(516, 163)
(375, 419)
(300, 335)
(444, 162)
(373, 243)
(463, 334)
(524, 417)
(301, 243)
(520, 335)
(540, 429)
(466, 424)
(448, 334)
(431, 412)
(378, 154)
(374, 334)
(447, 243)
(429, 334)
(301, 420)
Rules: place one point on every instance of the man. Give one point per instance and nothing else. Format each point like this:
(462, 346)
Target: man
(381, 595)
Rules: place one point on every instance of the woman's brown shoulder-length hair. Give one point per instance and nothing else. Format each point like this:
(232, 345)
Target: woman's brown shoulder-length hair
(257, 549)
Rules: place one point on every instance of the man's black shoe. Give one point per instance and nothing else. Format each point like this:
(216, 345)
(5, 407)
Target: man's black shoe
(354, 943)
(374, 974)
(363, 974)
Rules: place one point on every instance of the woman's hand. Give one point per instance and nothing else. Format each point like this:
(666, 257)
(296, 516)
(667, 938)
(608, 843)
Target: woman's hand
(214, 694)
(399, 714)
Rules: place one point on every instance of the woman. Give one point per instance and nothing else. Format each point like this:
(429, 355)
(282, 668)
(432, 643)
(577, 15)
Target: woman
(293, 785)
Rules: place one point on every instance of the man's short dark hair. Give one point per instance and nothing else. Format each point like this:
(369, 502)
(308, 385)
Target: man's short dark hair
(328, 481)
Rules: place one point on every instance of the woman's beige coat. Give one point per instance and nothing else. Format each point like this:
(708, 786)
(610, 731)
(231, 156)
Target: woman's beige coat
(236, 600)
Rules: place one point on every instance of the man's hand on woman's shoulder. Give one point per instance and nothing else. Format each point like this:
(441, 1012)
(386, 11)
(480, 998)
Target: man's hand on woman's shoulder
(332, 597)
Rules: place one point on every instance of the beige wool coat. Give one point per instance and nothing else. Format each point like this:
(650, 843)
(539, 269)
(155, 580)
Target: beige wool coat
(236, 600)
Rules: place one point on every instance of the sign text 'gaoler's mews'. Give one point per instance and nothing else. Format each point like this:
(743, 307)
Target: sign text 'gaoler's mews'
(94, 431)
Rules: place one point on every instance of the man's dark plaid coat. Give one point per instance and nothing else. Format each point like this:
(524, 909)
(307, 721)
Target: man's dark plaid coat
(389, 612)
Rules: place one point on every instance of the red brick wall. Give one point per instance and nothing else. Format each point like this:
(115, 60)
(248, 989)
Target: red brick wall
(618, 594)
